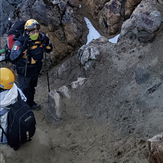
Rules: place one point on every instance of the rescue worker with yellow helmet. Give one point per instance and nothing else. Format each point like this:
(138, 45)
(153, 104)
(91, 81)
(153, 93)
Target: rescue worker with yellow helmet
(7, 79)
(27, 53)
(8, 96)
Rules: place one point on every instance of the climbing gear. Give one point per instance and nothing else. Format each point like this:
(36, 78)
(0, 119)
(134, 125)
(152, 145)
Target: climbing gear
(26, 63)
(6, 78)
(47, 74)
(47, 48)
(31, 24)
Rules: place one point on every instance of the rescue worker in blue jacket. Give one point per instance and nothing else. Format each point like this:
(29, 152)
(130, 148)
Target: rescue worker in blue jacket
(27, 54)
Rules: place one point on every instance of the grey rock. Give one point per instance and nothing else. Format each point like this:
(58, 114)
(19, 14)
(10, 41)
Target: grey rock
(67, 17)
(14, 2)
(56, 2)
(148, 21)
(74, 3)
(161, 2)
(141, 76)
(2, 158)
(143, 23)
(109, 16)
(146, 37)
(54, 105)
(64, 92)
(80, 81)
(87, 53)
(64, 70)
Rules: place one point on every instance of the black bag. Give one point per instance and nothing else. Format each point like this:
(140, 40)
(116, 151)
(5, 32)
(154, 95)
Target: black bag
(14, 33)
(17, 29)
(21, 124)
(3, 123)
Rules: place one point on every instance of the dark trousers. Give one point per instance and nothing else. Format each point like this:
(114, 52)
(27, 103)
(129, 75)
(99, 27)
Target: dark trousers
(27, 85)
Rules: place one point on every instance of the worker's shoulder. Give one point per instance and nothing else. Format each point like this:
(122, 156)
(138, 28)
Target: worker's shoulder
(19, 41)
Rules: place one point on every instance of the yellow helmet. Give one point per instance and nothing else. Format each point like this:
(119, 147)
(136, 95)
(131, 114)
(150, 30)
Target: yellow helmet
(7, 78)
(31, 24)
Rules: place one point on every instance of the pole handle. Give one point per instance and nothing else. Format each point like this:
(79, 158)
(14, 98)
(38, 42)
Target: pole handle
(2, 51)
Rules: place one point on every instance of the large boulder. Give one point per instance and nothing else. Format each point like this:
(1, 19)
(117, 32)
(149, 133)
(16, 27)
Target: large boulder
(143, 23)
(110, 14)
(130, 6)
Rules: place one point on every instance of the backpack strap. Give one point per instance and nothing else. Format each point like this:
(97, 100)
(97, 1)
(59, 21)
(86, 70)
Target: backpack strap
(3, 132)
(3, 112)
(19, 96)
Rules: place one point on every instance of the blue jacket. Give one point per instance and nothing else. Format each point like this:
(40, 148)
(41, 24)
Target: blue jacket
(32, 57)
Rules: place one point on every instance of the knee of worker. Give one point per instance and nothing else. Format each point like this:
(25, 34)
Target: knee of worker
(29, 91)
(30, 100)
(34, 81)
(29, 95)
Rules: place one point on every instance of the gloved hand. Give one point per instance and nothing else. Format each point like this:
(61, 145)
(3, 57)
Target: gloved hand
(46, 40)
(27, 42)
(47, 44)
(49, 47)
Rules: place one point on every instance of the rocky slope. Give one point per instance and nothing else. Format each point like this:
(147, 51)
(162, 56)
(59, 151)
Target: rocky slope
(118, 107)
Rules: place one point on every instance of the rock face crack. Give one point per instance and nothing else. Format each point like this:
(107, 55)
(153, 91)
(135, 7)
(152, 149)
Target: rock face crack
(154, 88)
(113, 7)
(14, 2)
(105, 23)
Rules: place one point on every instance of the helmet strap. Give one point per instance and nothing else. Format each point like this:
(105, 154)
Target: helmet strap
(1, 90)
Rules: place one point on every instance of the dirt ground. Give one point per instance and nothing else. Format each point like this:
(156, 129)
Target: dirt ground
(107, 120)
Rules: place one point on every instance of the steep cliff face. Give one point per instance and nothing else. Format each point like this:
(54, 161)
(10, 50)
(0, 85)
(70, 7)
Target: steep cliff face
(110, 14)
(59, 20)
(63, 22)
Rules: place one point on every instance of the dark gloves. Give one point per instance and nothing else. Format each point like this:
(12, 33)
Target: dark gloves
(27, 42)
(47, 44)
(46, 40)
(49, 48)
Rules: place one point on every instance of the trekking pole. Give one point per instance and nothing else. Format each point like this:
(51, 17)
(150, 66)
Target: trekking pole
(47, 74)
(26, 65)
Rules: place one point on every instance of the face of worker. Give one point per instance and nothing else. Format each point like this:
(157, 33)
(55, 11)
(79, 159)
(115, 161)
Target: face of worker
(35, 31)
(34, 34)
